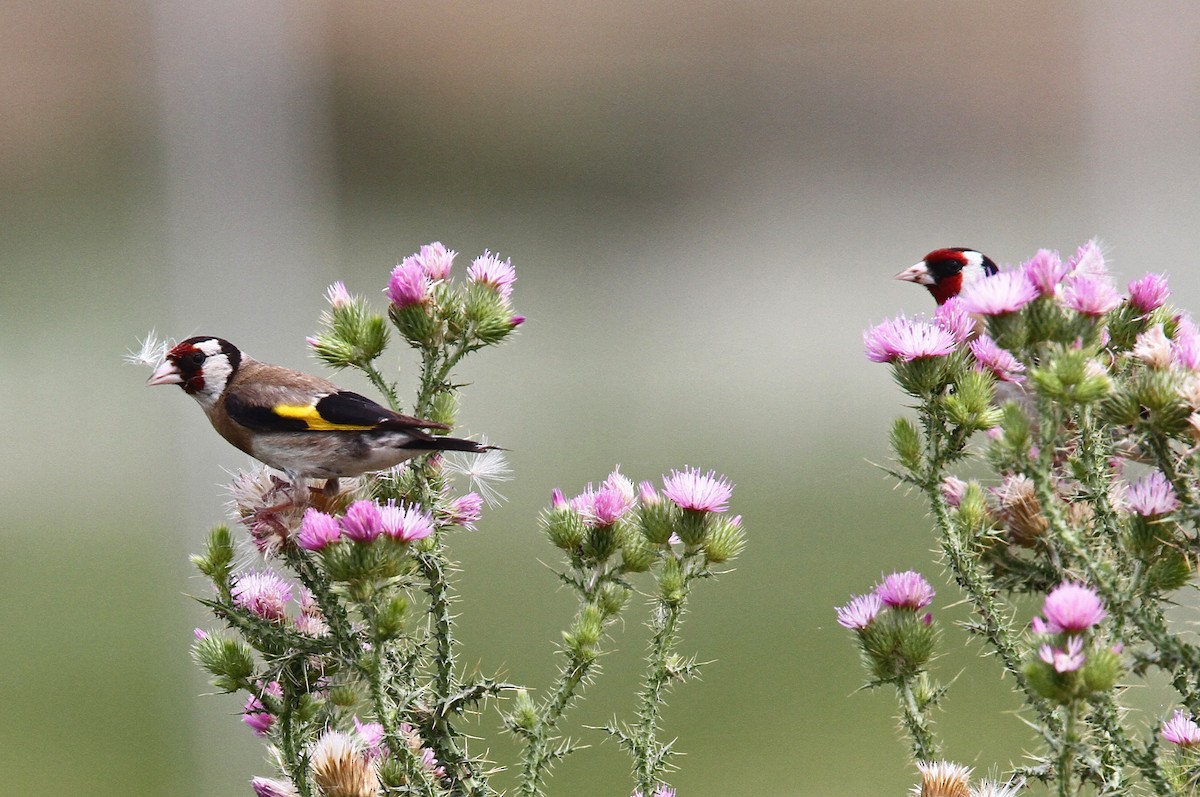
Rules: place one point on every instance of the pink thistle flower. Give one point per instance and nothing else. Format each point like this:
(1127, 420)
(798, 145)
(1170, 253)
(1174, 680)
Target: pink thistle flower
(1153, 348)
(1000, 294)
(362, 521)
(1092, 295)
(370, 735)
(614, 498)
(435, 260)
(557, 499)
(1038, 625)
(906, 339)
(264, 594)
(1152, 495)
(1181, 730)
(317, 530)
(466, 510)
(1185, 345)
(1001, 362)
(690, 489)
(860, 612)
(1089, 260)
(907, 590)
(648, 495)
(337, 295)
(1045, 270)
(1072, 608)
(255, 714)
(409, 284)
(265, 787)
(200, 634)
(1149, 293)
(517, 320)
(488, 269)
(1068, 660)
(406, 522)
(953, 489)
(952, 317)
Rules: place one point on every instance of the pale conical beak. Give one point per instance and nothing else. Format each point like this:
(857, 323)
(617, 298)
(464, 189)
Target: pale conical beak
(165, 374)
(918, 273)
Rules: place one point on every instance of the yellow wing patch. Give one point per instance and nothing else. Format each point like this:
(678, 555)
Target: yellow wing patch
(313, 420)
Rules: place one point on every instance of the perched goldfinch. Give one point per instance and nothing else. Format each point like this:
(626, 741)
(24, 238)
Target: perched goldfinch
(300, 424)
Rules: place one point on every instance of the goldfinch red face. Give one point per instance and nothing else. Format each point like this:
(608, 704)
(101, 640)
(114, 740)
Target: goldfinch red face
(944, 272)
(202, 366)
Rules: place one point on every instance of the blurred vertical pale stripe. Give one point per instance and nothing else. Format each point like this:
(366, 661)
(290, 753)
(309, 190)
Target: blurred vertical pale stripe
(242, 93)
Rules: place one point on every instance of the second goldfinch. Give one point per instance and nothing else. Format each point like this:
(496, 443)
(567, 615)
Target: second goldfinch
(300, 424)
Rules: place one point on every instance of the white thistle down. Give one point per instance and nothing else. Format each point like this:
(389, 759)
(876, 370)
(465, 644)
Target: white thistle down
(150, 351)
(482, 470)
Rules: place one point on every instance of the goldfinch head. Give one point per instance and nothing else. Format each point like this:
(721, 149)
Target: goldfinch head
(202, 366)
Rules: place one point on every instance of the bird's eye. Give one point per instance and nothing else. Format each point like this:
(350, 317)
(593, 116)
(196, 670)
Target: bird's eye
(197, 358)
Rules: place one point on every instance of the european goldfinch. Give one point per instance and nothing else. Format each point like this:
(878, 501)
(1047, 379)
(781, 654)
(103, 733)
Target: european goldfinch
(300, 424)
(945, 271)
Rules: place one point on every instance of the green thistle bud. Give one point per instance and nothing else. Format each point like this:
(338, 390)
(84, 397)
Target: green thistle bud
(564, 528)
(925, 376)
(332, 351)
(389, 622)
(1100, 672)
(636, 552)
(217, 560)
(585, 633)
(414, 323)
(972, 508)
(899, 644)
(489, 319)
(658, 521)
(445, 407)
(1044, 320)
(600, 542)
(612, 599)
(906, 442)
(343, 696)
(672, 584)
(1169, 570)
(229, 661)
(725, 541)
(524, 714)
(692, 526)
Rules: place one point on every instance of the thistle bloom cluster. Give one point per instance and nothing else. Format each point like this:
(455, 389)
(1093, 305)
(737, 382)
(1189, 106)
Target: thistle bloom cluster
(895, 638)
(948, 779)
(1083, 404)
(341, 635)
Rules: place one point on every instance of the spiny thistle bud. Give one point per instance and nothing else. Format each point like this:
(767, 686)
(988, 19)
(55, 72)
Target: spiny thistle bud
(389, 622)
(636, 552)
(970, 405)
(585, 632)
(671, 581)
(600, 542)
(343, 695)
(563, 527)
(972, 509)
(611, 599)
(692, 526)
(217, 560)
(444, 408)
(524, 714)
(340, 769)
(898, 645)
(1101, 672)
(658, 521)
(725, 541)
(906, 442)
(230, 661)
(415, 322)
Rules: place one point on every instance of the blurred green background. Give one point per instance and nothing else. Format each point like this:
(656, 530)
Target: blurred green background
(705, 202)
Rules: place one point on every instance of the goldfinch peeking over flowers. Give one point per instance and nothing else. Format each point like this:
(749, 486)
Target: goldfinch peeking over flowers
(300, 424)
